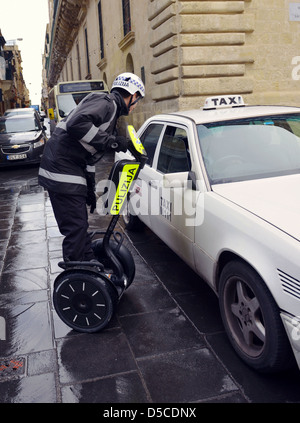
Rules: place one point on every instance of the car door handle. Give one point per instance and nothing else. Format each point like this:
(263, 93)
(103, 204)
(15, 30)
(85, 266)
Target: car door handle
(153, 184)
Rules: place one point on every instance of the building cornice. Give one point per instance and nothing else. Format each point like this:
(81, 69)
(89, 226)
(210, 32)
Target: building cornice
(68, 18)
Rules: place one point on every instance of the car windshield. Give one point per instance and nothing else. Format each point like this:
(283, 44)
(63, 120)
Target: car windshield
(67, 102)
(11, 126)
(251, 148)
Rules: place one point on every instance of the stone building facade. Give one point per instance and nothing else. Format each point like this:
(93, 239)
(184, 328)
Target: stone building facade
(184, 50)
(13, 90)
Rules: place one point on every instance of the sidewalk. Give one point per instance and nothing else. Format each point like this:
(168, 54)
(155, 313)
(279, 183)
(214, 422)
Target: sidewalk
(151, 352)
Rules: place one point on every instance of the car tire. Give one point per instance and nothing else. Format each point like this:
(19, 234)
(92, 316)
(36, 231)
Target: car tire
(132, 223)
(251, 319)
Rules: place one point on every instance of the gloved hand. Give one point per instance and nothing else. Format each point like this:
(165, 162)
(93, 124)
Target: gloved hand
(118, 144)
(90, 180)
(91, 200)
(91, 196)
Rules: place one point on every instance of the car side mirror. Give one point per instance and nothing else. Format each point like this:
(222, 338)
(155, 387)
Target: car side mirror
(175, 180)
(192, 177)
(180, 180)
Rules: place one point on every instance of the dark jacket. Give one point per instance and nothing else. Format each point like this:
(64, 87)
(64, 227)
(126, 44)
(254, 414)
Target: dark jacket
(78, 141)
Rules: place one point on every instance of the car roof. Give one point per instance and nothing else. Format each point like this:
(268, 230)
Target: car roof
(227, 107)
(25, 109)
(209, 116)
(18, 116)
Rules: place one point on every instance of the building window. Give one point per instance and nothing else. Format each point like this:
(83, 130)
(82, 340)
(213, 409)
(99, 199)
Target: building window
(143, 75)
(71, 68)
(87, 52)
(126, 16)
(55, 5)
(129, 64)
(101, 30)
(78, 60)
(67, 74)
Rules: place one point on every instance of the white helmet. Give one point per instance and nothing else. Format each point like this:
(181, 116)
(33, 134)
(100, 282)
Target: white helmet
(129, 82)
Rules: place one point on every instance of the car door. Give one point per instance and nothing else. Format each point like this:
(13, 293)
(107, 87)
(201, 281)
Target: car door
(172, 196)
(140, 200)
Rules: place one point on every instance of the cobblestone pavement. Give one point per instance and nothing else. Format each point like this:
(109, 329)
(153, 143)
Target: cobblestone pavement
(165, 344)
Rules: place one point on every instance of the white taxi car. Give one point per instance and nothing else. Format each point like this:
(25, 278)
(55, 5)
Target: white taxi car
(221, 189)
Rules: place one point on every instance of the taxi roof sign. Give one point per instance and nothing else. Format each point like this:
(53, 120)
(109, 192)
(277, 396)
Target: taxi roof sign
(223, 101)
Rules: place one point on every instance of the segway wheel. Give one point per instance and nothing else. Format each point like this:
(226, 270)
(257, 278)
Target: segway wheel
(122, 254)
(84, 301)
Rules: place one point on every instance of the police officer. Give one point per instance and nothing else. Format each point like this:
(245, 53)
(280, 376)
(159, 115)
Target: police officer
(67, 168)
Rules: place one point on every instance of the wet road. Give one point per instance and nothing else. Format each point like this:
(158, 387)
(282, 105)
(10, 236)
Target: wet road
(166, 343)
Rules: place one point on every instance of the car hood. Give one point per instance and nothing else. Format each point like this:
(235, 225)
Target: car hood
(19, 137)
(275, 200)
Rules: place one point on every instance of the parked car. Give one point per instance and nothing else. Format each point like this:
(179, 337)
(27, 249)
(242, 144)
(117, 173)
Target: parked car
(22, 111)
(19, 111)
(221, 189)
(22, 139)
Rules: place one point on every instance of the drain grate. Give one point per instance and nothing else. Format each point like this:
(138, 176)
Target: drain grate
(12, 367)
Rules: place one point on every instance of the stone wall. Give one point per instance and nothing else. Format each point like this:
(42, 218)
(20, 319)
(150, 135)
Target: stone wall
(203, 48)
(191, 49)
(199, 49)
(275, 43)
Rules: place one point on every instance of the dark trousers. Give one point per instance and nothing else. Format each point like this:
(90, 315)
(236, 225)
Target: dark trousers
(71, 215)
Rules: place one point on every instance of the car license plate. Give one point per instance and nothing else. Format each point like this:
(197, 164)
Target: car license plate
(16, 156)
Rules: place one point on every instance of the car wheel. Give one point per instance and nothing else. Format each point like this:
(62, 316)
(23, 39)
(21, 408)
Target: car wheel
(251, 319)
(131, 222)
(85, 302)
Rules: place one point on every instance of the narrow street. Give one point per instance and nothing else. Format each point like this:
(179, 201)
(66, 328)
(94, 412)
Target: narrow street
(166, 343)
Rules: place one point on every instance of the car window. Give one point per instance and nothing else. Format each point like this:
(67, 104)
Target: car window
(251, 148)
(150, 139)
(11, 126)
(174, 154)
(67, 102)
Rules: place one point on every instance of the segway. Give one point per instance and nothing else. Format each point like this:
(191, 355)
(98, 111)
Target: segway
(86, 293)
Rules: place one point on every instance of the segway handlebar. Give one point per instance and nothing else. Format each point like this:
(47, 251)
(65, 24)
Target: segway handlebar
(136, 147)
